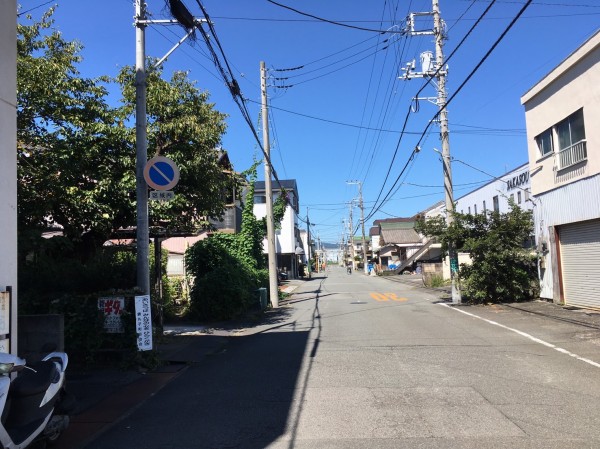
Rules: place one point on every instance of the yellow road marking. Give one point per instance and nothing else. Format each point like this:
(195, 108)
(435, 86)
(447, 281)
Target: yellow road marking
(387, 296)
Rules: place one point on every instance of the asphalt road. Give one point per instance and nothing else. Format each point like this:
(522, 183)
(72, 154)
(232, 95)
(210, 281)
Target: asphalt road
(361, 362)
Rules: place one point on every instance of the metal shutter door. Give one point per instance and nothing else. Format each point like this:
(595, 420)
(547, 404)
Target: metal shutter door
(580, 257)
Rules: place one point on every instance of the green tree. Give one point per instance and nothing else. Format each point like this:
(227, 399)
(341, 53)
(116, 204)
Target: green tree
(76, 153)
(228, 268)
(502, 268)
(183, 126)
(70, 153)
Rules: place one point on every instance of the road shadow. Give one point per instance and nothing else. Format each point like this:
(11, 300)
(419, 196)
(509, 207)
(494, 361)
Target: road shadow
(241, 396)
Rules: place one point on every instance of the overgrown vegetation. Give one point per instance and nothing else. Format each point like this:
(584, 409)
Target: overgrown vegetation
(76, 176)
(502, 268)
(228, 268)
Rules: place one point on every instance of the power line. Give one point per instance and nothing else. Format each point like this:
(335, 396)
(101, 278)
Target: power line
(231, 82)
(34, 8)
(416, 149)
(478, 130)
(475, 69)
(329, 21)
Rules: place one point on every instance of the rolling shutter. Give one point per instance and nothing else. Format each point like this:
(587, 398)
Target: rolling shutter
(580, 260)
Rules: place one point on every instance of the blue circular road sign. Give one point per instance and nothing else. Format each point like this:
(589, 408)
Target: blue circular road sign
(161, 173)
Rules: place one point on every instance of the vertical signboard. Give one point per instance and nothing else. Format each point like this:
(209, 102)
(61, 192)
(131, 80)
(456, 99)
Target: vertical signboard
(5, 300)
(143, 322)
(112, 307)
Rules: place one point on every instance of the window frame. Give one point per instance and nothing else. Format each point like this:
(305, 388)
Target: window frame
(545, 136)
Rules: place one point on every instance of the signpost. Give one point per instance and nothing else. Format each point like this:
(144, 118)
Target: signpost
(143, 322)
(161, 173)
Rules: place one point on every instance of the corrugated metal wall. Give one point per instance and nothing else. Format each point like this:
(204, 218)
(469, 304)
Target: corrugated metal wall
(578, 201)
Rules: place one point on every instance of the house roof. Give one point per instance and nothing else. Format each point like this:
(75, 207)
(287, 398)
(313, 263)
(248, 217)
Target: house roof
(358, 239)
(178, 245)
(288, 184)
(374, 231)
(567, 64)
(400, 236)
(393, 220)
(397, 225)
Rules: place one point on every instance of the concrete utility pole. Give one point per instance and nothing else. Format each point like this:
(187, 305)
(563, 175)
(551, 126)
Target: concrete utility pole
(430, 70)
(141, 139)
(444, 135)
(141, 144)
(308, 268)
(273, 289)
(362, 223)
(351, 235)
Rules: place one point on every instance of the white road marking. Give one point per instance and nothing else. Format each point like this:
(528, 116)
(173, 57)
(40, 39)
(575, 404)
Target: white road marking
(526, 335)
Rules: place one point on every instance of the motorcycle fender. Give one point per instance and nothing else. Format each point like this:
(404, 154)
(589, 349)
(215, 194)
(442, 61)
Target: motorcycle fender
(53, 390)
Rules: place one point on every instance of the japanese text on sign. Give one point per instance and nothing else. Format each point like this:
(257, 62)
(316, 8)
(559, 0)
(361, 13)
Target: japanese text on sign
(160, 195)
(143, 322)
(112, 307)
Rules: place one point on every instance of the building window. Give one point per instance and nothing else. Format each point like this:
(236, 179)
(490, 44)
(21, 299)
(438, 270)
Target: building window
(496, 204)
(527, 195)
(518, 197)
(544, 142)
(484, 208)
(260, 199)
(469, 210)
(571, 130)
(571, 140)
(475, 209)
(512, 197)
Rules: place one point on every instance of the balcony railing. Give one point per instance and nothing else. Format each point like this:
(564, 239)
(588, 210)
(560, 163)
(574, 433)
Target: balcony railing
(572, 155)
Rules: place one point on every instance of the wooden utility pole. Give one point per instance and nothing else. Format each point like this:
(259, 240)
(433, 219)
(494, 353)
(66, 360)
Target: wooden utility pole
(272, 256)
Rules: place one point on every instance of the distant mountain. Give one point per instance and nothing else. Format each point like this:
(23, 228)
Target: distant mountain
(330, 245)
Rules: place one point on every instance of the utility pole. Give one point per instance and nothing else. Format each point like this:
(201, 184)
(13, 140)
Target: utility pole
(308, 268)
(362, 223)
(141, 138)
(437, 70)
(141, 145)
(272, 256)
(444, 135)
(351, 235)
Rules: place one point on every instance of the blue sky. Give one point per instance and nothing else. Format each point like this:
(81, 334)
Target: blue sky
(341, 119)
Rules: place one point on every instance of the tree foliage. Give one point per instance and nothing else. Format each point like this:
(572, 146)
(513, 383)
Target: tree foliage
(228, 268)
(76, 152)
(502, 268)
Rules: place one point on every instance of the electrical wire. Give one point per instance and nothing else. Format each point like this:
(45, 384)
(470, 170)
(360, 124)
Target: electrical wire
(34, 8)
(416, 148)
(326, 20)
(231, 82)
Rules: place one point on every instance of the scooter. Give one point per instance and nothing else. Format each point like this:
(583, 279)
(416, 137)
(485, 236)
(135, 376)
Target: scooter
(34, 404)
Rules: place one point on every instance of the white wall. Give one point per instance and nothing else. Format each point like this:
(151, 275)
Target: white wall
(572, 85)
(8, 155)
(285, 239)
(502, 190)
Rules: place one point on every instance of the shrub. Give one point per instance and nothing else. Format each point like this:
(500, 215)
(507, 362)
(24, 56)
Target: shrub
(224, 285)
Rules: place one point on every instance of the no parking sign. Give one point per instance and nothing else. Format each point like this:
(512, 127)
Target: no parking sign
(161, 173)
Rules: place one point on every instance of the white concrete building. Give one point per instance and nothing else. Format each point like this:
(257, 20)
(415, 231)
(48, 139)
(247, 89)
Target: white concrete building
(562, 112)
(287, 239)
(495, 195)
(8, 164)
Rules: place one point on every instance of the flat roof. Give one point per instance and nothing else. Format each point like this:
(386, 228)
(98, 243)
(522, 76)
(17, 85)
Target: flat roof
(566, 64)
